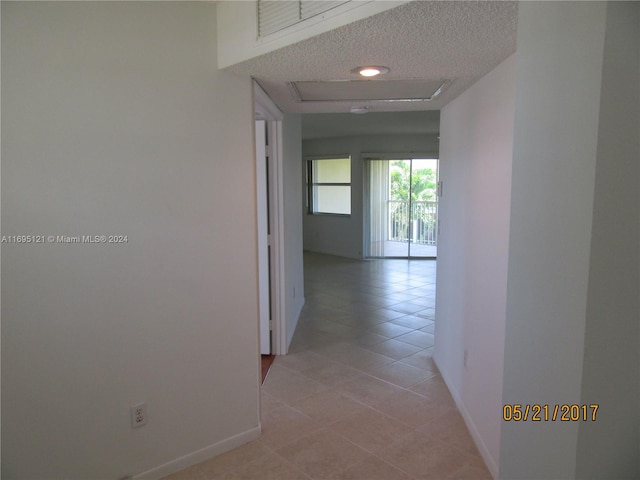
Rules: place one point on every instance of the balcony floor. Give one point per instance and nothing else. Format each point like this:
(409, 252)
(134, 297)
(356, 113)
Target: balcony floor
(399, 249)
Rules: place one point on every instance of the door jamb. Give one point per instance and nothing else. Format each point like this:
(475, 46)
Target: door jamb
(266, 110)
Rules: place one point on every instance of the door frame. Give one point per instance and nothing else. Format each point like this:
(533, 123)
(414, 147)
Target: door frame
(265, 109)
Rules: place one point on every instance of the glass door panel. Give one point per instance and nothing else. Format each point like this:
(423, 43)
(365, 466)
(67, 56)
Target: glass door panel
(424, 208)
(403, 209)
(399, 208)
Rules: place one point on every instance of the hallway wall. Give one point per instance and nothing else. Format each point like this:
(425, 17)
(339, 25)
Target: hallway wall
(476, 142)
(116, 121)
(572, 316)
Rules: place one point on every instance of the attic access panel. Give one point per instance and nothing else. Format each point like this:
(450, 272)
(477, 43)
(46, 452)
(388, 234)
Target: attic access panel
(367, 90)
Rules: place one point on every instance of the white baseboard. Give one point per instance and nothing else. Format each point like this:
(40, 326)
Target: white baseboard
(477, 439)
(199, 455)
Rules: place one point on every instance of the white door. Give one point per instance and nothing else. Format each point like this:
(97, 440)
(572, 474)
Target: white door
(263, 236)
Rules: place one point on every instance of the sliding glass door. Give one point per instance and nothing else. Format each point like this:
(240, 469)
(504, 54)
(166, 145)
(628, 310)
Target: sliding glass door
(402, 208)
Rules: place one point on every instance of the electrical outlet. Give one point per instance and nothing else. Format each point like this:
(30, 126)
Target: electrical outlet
(139, 415)
(466, 357)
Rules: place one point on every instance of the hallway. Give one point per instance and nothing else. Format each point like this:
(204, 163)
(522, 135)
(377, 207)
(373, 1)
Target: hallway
(358, 396)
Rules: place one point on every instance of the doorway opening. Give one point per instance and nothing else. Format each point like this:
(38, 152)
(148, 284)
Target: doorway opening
(402, 211)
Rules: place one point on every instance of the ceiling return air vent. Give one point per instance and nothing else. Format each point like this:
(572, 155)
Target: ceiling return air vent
(374, 91)
(276, 15)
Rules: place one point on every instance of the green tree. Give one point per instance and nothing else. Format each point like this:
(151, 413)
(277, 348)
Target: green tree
(423, 187)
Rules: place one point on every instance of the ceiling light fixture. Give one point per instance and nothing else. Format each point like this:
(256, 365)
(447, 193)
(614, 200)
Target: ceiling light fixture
(370, 71)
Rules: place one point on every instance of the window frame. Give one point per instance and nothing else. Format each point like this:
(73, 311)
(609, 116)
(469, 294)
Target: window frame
(311, 184)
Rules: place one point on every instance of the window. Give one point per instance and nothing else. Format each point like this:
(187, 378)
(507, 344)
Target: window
(329, 186)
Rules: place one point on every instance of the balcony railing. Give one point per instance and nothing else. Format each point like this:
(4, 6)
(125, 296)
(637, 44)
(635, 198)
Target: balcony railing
(423, 228)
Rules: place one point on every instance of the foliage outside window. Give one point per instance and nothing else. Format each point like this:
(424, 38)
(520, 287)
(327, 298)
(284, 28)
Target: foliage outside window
(423, 180)
(329, 186)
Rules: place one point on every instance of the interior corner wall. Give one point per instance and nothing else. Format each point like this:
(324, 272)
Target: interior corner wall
(611, 355)
(293, 261)
(476, 140)
(558, 87)
(116, 121)
(343, 235)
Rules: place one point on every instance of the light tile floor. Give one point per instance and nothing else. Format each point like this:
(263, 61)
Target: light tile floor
(359, 396)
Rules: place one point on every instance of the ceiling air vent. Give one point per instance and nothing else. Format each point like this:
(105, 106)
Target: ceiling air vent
(276, 15)
(367, 90)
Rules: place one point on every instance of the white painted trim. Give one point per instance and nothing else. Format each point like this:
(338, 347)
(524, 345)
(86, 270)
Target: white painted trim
(263, 249)
(328, 157)
(266, 110)
(264, 106)
(198, 456)
(277, 239)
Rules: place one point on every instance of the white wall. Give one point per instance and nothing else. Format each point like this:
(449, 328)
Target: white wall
(116, 121)
(558, 86)
(613, 309)
(343, 235)
(293, 261)
(476, 141)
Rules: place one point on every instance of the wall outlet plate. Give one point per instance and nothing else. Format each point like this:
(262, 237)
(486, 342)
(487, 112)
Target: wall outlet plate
(139, 415)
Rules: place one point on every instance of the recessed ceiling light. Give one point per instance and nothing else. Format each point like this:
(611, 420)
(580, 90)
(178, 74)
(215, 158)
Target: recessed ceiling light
(370, 70)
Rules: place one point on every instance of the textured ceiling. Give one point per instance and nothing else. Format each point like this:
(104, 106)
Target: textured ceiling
(430, 40)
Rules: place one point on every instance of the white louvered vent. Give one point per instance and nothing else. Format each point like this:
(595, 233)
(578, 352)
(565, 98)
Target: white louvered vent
(309, 8)
(275, 15)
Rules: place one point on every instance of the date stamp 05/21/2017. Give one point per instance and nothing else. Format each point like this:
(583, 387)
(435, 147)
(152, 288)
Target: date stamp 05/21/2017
(515, 412)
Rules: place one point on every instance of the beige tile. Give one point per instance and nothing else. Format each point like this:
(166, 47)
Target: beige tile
(473, 469)
(300, 361)
(268, 467)
(401, 374)
(368, 338)
(285, 425)
(268, 403)
(354, 356)
(429, 329)
(451, 429)
(424, 457)
(410, 408)
(288, 386)
(372, 468)
(386, 314)
(190, 473)
(328, 407)
(331, 373)
(390, 330)
(368, 390)
(411, 321)
(371, 430)
(222, 464)
(407, 308)
(436, 389)
(393, 349)
(322, 454)
(418, 338)
(423, 359)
